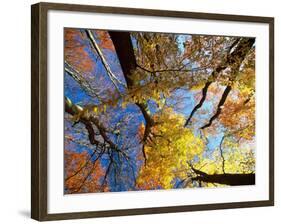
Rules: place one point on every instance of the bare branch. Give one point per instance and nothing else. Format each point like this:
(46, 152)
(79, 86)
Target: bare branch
(110, 74)
(204, 95)
(180, 69)
(237, 53)
(81, 81)
(227, 178)
(219, 108)
(73, 109)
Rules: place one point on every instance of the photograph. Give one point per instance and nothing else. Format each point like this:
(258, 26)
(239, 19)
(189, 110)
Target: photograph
(158, 111)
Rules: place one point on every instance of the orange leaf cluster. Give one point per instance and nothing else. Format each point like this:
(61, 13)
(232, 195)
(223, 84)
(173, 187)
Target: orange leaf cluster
(141, 130)
(105, 41)
(81, 176)
(75, 53)
(242, 116)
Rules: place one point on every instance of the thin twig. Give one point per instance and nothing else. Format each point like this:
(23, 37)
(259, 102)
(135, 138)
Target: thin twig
(81, 81)
(222, 156)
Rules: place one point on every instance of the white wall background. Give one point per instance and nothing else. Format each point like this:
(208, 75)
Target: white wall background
(15, 111)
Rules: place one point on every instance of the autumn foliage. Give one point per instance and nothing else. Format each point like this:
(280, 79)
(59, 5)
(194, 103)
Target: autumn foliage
(81, 174)
(146, 111)
(75, 51)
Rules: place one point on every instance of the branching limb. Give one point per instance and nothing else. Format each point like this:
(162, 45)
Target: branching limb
(110, 74)
(81, 81)
(125, 52)
(237, 53)
(219, 108)
(73, 109)
(106, 147)
(227, 178)
(180, 69)
(203, 98)
(204, 93)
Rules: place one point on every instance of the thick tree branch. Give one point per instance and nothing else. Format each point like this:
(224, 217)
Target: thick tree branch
(234, 61)
(110, 74)
(73, 109)
(204, 95)
(89, 122)
(237, 53)
(227, 178)
(219, 108)
(125, 52)
(107, 147)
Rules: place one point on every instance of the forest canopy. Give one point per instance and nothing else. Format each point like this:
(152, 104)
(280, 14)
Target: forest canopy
(148, 111)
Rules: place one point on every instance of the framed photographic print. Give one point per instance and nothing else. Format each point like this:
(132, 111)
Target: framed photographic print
(138, 111)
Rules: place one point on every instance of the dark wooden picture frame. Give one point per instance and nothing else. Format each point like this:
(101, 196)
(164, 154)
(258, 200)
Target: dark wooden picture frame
(39, 107)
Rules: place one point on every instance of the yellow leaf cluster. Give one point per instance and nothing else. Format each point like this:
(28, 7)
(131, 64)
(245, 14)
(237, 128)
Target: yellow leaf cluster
(168, 151)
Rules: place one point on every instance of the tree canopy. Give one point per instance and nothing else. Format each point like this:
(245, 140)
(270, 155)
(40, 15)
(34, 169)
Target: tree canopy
(150, 111)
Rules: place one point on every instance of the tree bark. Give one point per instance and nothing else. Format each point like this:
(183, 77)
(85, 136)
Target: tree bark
(125, 52)
(95, 46)
(227, 178)
(219, 107)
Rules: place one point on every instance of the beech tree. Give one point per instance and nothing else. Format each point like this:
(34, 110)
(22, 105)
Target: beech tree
(158, 111)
